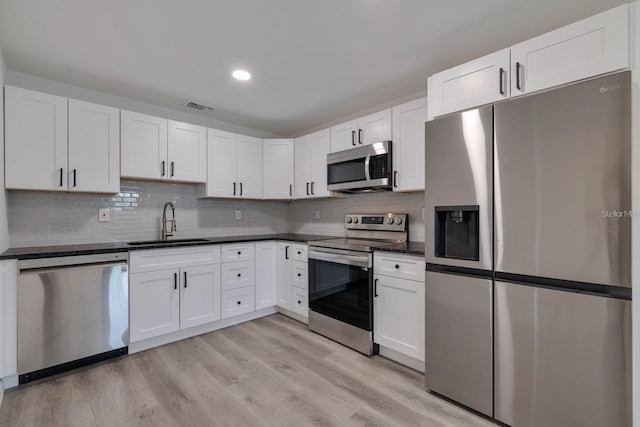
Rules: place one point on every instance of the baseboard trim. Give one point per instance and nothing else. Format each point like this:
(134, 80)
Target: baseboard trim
(198, 330)
(402, 359)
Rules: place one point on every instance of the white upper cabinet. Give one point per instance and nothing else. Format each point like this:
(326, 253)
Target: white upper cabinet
(365, 130)
(408, 145)
(143, 146)
(249, 167)
(35, 140)
(234, 166)
(587, 48)
(187, 152)
(161, 149)
(277, 169)
(56, 144)
(478, 82)
(311, 165)
(94, 147)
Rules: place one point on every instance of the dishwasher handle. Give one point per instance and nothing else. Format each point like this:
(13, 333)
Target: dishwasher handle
(73, 261)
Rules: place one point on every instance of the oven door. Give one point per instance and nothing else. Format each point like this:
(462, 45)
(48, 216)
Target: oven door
(341, 284)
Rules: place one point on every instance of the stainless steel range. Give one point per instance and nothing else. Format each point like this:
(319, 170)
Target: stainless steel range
(341, 278)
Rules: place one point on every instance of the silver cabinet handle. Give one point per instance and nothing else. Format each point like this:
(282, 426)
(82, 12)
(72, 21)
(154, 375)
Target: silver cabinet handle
(353, 137)
(312, 192)
(360, 136)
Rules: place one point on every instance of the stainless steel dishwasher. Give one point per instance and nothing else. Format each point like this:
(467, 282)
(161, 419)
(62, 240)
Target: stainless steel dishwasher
(72, 311)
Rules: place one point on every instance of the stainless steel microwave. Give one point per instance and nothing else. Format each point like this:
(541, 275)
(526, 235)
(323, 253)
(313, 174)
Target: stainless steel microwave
(361, 169)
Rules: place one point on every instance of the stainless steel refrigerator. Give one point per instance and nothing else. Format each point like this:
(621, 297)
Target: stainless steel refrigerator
(528, 285)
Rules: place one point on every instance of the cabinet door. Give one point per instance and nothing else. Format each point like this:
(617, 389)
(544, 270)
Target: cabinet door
(320, 147)
(35, 140)
(238, 301)
(277, 169)
(94, 148)
(408, 145)
(143, 146)
(374, 128)
(587, 48)
(249, 167)
(154, 304)
(399, 315)
(478, 82)
(200, 295)
(283, 275)
(344, 136)
(266, 254)
(221, 164)
(187, 152)
(303, 167)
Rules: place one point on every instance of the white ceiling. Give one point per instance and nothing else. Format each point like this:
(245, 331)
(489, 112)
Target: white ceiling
(313, 61)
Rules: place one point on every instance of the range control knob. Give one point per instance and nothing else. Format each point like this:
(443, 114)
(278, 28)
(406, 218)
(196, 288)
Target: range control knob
(355, 219)
(390, 220)
(349, 220)
(398, 220)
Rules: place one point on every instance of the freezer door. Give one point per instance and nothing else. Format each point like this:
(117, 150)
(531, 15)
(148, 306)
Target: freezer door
(563, 183)
(458, 172)
(458, 339)
(561, 358)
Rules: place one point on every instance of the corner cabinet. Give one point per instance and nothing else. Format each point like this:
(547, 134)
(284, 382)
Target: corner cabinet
(277, 169)
(408, 145)
(588, 48)
(160, 149)
(58, 144)
(365, 130)
(399, 301)
(234, 166)
(310, 164)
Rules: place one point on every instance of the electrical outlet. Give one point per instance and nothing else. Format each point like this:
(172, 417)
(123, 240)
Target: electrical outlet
(423, 213)
(317, 213)
(103, 215)
(238, 214)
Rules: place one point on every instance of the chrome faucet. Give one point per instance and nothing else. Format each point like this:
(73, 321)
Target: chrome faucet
(172, 221)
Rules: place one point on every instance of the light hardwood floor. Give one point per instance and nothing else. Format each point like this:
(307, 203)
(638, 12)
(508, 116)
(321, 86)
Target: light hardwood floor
(267, 372)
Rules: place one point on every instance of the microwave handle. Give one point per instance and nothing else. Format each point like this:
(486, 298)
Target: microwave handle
(367, 175)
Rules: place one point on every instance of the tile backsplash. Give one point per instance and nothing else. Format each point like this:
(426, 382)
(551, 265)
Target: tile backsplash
(40, 219)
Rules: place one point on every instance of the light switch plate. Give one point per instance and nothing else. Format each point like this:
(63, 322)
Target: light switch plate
(317, 213)
(238, 214)
(104, 215)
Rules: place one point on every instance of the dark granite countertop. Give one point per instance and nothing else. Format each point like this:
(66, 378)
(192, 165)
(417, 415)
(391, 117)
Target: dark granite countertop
(409, 248)
(95, 248)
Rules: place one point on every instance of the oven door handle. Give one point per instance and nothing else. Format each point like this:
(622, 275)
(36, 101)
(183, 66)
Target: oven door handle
(355, 260)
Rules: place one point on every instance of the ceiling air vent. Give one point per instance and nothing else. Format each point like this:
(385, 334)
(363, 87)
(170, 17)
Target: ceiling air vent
(196, 106)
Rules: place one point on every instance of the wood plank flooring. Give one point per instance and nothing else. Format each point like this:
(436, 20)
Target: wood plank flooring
(267, 372)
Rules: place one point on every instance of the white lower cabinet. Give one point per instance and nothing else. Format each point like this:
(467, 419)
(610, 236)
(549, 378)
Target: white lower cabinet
(266, 293)
(175, 295)
(399, 305)
(238, 301)
(292, 275)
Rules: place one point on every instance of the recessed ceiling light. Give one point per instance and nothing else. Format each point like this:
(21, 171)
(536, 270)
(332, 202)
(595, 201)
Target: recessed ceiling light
(241, 75)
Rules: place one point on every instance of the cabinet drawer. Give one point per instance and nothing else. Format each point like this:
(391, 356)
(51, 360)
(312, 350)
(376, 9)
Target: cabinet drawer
(238, 275)
(299, 252)
(238, 252)
(238, 301)
(300, 274)
(300, 302)
(163, 259)
(401, 266)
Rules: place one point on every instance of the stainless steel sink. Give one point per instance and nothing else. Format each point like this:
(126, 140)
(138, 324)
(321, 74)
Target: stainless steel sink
(166, 242)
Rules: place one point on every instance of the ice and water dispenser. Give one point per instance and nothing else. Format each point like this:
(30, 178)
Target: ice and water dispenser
(456, 232)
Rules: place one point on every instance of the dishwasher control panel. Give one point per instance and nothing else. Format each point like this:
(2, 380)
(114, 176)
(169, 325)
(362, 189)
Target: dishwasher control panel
(62, 261)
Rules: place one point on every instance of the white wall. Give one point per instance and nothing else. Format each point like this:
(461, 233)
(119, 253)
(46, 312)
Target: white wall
(4, 232)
